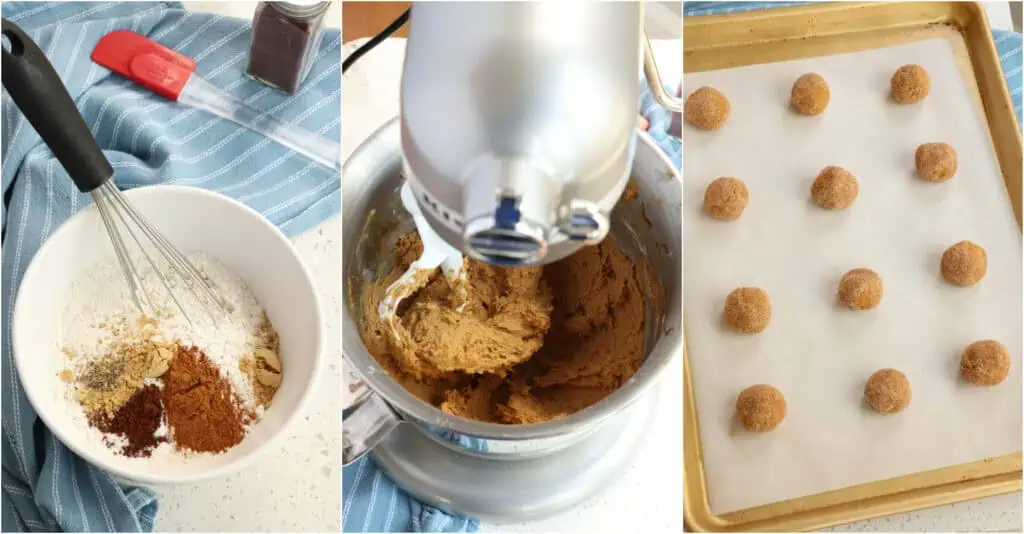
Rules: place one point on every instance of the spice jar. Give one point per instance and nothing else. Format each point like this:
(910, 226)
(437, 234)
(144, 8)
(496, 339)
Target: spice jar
(285, 37)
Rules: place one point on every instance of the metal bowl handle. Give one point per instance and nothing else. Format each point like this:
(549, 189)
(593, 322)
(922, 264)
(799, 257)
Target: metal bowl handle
(366, 419)
(667, 101)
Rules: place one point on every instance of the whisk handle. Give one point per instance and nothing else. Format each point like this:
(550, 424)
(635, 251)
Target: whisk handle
(40, 94)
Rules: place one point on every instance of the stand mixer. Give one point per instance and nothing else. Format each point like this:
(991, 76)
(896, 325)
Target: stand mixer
(517, 135)
(518, 121)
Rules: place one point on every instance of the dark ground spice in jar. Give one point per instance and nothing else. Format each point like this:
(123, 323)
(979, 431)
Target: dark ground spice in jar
(202, 412)
(285, 38)
(137, 421)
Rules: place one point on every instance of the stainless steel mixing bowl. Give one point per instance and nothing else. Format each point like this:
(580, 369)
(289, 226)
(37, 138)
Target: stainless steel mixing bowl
(648, 231)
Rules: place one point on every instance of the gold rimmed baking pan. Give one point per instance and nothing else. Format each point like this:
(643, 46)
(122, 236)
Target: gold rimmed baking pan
(739, 39)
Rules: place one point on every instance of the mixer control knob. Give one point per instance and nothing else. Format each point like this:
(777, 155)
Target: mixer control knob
(584, 221)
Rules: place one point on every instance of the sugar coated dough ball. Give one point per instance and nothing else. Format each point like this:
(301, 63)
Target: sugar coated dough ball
(748, 310)
(860, 289)
(726, 198)
(935, 162)
(809, 95)
(706, 108)
(835, 188)
(910, 84)
(887, 391)
(964, 264)
(985, 363)
(761, 408)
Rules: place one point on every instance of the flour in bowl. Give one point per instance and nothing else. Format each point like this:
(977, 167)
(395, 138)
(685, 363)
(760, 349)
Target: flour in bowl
(159, 379)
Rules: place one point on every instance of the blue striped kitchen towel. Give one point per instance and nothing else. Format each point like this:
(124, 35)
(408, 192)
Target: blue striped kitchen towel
(372, 502)
(148, 140)
(660, 122)
(1008, 43)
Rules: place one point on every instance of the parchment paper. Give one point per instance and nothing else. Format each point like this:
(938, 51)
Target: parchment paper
(817, 353)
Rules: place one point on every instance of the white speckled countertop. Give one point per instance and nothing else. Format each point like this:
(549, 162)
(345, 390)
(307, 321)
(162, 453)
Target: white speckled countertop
(296, 488)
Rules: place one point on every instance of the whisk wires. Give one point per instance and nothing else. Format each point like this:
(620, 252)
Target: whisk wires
(117, 214)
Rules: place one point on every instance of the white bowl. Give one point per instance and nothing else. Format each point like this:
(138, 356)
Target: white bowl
(195, 220)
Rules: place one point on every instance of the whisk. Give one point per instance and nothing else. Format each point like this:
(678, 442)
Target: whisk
(114, 208)
(38, 92)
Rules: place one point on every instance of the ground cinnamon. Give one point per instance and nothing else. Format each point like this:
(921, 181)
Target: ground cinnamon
(137, 421)
(201, 409)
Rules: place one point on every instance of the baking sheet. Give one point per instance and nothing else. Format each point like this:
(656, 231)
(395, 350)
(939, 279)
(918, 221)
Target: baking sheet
(817, 354)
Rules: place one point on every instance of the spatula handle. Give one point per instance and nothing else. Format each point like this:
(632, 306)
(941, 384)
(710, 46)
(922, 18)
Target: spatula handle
(203, 95)
(39, 93)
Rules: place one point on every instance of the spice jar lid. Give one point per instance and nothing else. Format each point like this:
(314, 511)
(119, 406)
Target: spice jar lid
(301, 8)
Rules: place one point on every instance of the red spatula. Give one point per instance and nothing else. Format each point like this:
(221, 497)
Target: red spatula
(172, 76)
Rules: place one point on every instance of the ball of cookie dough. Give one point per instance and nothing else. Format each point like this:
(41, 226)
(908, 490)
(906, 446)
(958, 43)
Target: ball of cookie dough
(964, 264)
(748, 310)
(935, 162)
(835, 188)
(809, 95)
(887, 391)
(910, 84)
(985, 363)
(860, 289)
(761, 408)
(706, 108)
(726, 198)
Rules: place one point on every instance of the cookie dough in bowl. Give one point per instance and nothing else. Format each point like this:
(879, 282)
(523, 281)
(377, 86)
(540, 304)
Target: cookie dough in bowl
(529, 345)
(583, 336)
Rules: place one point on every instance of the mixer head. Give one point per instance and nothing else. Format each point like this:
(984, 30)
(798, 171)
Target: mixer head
(513, 214)
(518, 122)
